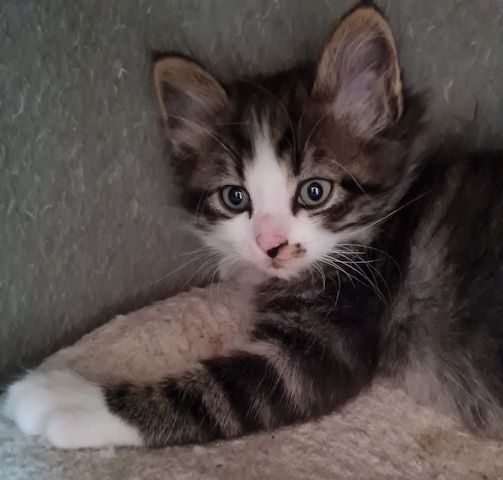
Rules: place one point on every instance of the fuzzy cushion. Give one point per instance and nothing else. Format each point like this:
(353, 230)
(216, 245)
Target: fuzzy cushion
(383, 434)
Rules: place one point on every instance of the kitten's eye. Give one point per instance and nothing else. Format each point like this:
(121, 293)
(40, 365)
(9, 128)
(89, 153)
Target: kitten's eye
(235, 198)
(314, 192)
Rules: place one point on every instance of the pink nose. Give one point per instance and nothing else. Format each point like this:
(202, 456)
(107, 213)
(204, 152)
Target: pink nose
(269, 242)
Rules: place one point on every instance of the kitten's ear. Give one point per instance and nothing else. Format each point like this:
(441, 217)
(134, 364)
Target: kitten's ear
(189, 99)
(359, 73)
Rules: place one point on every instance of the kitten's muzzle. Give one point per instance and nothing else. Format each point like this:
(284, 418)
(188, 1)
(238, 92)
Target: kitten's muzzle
(285, 253)
(273, 252)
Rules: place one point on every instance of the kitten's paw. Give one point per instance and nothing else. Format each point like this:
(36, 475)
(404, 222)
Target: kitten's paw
(68, 410)
(78, 428)
(29, 401)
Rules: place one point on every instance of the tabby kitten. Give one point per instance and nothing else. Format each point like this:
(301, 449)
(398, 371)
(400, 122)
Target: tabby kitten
(371, 253)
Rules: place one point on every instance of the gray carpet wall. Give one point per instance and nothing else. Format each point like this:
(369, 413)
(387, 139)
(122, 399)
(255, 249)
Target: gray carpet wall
(88, 225)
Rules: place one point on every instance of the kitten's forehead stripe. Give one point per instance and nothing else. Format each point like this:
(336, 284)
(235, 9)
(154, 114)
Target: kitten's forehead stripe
(239, 140)
(266, 177)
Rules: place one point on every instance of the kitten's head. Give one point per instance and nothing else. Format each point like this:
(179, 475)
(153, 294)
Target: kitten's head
(282, 172)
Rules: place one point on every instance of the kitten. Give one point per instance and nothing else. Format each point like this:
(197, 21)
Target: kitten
(374, 254)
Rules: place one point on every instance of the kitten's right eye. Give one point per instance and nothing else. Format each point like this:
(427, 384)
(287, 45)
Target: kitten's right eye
(235, 198)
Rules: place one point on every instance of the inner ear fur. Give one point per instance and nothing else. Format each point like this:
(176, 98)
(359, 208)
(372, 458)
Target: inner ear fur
(189, 97)
(359, 75)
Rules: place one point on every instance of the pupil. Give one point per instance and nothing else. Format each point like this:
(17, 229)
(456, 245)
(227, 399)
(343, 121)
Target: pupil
(315, 191)
(235, 196)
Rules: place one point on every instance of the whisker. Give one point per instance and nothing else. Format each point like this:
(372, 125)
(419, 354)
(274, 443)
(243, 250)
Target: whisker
(339, 289)
(369, 264)
(181, 267)
(371, 282)
(368, 247)
(393, 212)
(321, 273)
(206, 263)
(333, 159)
(338, 267)
(316, 125)
(367, 281)
(193, 252)
(358, 268)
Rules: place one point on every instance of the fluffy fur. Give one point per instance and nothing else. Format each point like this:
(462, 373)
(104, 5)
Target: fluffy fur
(397, 270)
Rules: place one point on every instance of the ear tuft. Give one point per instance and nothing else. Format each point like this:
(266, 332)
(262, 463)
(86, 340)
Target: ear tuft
(359, 73)
(189, 97)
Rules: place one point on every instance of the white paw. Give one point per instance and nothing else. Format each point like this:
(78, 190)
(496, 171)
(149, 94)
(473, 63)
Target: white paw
(66, 409)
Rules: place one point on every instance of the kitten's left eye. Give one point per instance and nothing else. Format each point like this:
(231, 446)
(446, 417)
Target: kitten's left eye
(314, 192)
(235, 198)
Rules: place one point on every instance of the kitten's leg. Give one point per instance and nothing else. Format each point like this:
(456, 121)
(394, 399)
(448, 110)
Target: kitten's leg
(301, 361)
(67, 409)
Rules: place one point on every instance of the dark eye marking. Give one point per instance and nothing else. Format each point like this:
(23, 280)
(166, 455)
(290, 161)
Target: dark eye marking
(354, 187)
(286, 142)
